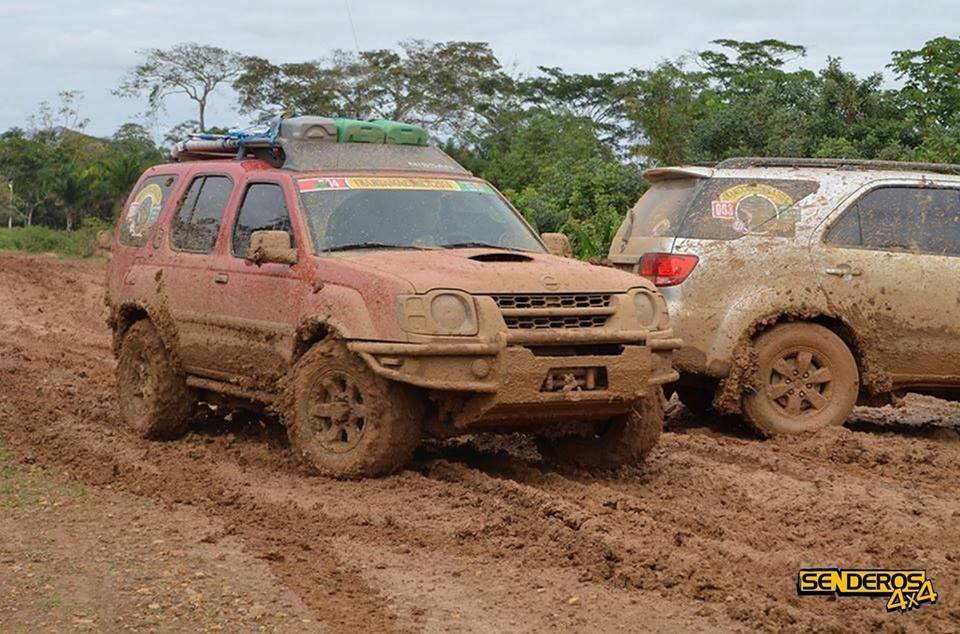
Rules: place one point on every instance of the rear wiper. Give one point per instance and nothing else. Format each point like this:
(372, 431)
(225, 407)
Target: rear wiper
(371, 245)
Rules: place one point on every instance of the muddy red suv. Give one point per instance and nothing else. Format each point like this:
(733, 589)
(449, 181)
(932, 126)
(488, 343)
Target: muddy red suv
(372, 292)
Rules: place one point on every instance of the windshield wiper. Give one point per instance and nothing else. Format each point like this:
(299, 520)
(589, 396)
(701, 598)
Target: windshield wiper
(465, 245)
(371, 245)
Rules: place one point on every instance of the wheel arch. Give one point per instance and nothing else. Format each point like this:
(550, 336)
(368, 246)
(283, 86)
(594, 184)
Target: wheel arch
(128, 313)
(834, 324)
(873, 384)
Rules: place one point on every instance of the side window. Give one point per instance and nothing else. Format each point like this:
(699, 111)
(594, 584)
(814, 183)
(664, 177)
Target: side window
(144, 209)
(915, 219)
(263, 209)
(845, 232)
(198, 219)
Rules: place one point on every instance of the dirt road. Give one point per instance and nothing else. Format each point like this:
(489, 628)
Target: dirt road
(225, 530)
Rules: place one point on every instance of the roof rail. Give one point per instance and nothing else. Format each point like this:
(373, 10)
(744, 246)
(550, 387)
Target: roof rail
(848, 164)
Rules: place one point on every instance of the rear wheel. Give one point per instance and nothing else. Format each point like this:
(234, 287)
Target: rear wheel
(345, 420)
(806, 378)
(626, 439)
(154, 399)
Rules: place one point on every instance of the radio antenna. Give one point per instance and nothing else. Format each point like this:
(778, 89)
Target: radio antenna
(353, 27)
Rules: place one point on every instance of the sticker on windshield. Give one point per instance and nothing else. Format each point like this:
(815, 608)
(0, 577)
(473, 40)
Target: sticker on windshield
(378, 182)
(757, 208)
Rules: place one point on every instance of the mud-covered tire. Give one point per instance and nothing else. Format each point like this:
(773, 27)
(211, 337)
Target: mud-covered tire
(345, 420)
(154, 398)
(805, 379)
(698, 400)
(624, 440)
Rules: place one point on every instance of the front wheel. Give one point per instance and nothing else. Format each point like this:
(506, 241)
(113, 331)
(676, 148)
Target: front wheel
(345, 420)
(806, 378)
(626, 439)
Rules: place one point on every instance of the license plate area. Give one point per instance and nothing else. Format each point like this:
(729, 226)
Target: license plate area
(588, 379)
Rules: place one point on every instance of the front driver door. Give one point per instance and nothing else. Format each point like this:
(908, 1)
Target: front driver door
(260, 310)
(890, 265)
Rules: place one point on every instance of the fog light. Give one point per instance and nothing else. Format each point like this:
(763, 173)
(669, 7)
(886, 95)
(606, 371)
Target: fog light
(480, 368)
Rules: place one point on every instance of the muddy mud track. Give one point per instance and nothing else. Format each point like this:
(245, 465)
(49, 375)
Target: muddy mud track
(480, 535)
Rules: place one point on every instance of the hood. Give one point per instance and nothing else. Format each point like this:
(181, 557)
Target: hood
(492, 271)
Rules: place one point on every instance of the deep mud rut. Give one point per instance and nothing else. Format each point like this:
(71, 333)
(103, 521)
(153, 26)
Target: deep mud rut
(473, 536)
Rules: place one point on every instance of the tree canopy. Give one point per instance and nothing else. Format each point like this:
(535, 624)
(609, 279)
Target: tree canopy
(567, 148)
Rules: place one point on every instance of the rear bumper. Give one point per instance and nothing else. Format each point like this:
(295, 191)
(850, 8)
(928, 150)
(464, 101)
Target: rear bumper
(543, 375)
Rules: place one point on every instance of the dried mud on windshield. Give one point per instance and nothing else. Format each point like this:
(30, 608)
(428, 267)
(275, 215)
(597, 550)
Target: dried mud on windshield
(225, 529)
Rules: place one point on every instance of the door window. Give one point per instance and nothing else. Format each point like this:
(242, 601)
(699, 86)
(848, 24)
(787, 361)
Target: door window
(144, 209)
(263, 209)
(198, 220)
(914, 219)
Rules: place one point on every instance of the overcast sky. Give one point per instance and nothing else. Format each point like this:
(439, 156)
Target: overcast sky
(51, 45)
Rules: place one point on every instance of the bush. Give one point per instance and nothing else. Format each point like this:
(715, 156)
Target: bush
(81, 243)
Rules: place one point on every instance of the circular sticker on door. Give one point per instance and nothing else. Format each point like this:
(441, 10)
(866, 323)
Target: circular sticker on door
(144, 210)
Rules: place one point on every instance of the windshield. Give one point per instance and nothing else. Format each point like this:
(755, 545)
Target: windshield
(376, 212)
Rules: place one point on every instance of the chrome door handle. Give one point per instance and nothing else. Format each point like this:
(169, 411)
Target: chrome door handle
(221, 278)
(845, 271)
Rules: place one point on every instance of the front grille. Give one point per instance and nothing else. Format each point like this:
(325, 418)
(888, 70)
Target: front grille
(554, 300)
(572, 321)
(547, 311)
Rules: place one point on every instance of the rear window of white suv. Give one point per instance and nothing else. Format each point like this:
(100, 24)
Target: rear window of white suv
(720, 208)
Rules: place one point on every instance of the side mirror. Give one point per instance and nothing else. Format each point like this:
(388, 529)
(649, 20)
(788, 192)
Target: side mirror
(270, 246)
(557, 244)
(104, 240)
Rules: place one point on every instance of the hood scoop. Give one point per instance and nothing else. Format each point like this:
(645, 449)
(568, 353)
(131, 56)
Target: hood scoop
(501, 256)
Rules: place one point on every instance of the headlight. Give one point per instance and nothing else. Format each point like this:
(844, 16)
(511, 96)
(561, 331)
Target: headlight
(650, 309)
(438, 313)
(449, 311)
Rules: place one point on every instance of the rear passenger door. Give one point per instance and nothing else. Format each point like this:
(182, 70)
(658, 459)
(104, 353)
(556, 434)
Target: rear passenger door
(261, 304)
(890, 264)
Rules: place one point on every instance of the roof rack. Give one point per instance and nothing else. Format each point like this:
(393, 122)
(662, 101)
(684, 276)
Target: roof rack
(305, 143)
(274, 141)
(848, 164)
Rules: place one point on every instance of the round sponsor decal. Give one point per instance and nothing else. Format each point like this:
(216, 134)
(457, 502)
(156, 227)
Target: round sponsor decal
(144, 210)
(755, 208)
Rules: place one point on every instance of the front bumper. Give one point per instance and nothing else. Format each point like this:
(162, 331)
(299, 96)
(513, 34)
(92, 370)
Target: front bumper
(545, 375)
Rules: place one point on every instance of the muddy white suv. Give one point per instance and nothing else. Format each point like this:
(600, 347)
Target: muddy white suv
(801, 287)
(373, 291)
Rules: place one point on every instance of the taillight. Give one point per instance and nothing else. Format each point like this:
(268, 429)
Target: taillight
(667, 269)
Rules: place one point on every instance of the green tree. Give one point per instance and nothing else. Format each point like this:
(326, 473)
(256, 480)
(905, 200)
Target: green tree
(599, 98)
(189, 69)
(450, 87)
(931, 76)
(664, 105)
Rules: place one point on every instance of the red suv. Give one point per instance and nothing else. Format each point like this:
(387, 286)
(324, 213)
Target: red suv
(372, 292)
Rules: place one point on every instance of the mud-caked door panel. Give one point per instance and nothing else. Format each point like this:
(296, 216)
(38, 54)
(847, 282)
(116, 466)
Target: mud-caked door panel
(260, 310)
(890, 265)
(188, 290)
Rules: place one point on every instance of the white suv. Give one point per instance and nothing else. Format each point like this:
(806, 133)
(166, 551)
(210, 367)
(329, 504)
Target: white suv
(801, 287)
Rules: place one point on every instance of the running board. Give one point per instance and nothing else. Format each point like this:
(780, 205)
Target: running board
(230, 389)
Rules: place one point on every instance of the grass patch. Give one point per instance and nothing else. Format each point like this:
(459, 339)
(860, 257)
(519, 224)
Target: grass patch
(17, 489)
(81, 243)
